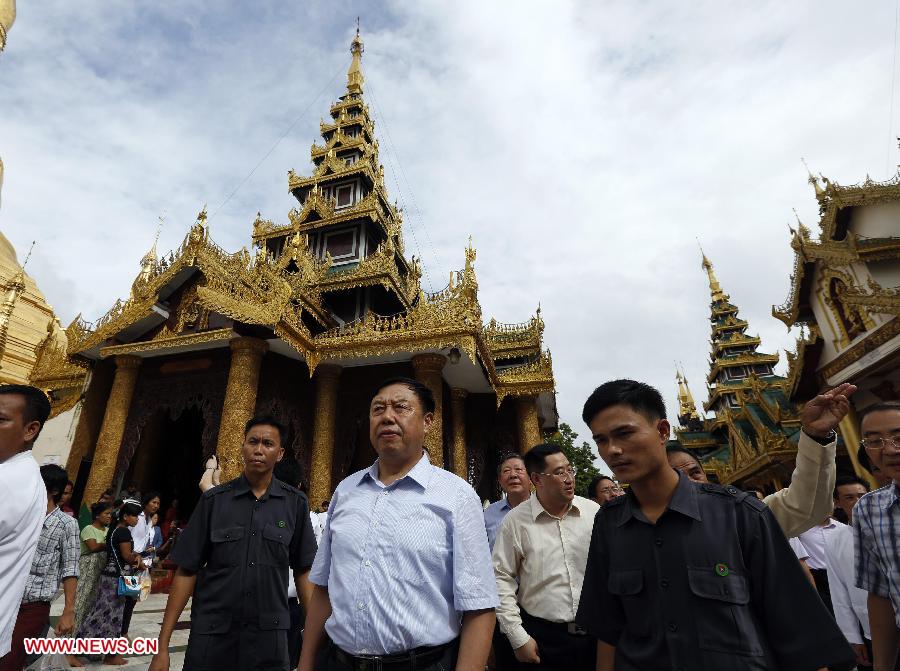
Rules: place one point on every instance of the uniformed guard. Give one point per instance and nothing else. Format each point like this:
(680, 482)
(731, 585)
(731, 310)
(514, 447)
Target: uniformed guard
(696, 577)
(234, 557)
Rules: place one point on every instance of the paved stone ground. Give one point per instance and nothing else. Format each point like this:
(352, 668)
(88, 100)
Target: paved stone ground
(146, 621)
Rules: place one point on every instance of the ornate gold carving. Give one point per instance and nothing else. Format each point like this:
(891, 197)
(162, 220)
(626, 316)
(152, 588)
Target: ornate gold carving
(240, 402)
(528, 424)
(460, 461)
(851, 321)
(106, 454)
(529, 379)
(507, 341)
(428, 369)
(326, 380)
(876, 299)
(170, 342)
(860, 349)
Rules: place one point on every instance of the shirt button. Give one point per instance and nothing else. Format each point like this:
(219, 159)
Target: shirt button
(672, 626)
(368, 563)
(664, 583)
(658, 542)
(252, 533)
(251, 563)
(360, 605)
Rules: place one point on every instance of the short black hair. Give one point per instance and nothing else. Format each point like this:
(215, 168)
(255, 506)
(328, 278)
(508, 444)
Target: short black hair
(148, 497)
(536, 458)
(268, 420)
(674, 447)
(70, 483)
(639, 396)
(506, 457)
(843, 480)
(878, 407)
(37, 405)
(423, 393)
(288, 471)
(597, 479)
(55, 479)
(98, 509)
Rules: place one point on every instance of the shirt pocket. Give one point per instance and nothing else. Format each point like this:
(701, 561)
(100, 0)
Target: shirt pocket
(725, 622)
(628, 586)
(421, 548)
(226, 546)
(276, 543)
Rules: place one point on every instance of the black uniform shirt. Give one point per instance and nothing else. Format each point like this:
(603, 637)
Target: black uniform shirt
(712, 585)
(242, 548)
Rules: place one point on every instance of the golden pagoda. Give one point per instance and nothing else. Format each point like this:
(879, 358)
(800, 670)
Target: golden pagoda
(752, 438)
(845, 296)
(303, 326)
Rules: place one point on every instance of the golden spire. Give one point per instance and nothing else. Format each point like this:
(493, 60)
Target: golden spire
(687, 408)
(715, 289)
(354, 74)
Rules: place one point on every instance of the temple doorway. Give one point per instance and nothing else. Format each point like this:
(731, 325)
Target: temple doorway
(169, 459)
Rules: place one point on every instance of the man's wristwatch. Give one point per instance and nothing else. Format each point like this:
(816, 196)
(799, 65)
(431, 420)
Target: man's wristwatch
(825, 440)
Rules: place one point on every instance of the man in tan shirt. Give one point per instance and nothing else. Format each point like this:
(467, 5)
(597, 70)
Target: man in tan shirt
(539, 560)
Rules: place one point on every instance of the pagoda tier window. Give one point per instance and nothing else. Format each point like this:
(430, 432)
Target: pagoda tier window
(345, 195)
(762, 369)
(731, 401)
(736, 373)
(342, 245)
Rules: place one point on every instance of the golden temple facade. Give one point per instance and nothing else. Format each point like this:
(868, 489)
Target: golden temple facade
(845, 296)
(303, 326)
(751, 439)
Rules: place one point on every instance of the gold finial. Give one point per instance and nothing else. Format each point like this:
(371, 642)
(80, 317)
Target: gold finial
(715, 288)
(201, 217)
(686, 405)
(354, 74)
(813, 179)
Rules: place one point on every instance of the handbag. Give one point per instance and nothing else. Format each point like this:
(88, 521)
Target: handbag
(127, 585)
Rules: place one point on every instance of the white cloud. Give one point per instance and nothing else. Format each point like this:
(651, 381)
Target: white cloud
(583, 145)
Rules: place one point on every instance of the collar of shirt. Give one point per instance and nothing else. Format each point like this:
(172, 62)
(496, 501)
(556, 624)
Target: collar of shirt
(683, 501)
(52, 513)
(536, 508)
(242, 486)
(420, 473)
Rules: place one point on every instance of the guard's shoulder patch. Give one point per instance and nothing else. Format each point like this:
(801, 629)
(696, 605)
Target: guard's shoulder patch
(721, 490)
(749, 499)
(218, 489)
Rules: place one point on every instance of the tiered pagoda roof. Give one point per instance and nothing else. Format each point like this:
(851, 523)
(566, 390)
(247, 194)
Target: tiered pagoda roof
(755, 427)
(333, 283)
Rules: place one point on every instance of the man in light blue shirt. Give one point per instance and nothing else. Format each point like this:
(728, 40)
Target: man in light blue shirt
(516, 489)
(403, 576)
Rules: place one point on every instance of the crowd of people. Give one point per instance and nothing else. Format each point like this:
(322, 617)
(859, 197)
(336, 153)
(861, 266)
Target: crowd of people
(404, 569)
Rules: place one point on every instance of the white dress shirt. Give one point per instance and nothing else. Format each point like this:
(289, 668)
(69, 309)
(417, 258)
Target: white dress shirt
(24, 500)
(798, 548)
(850, 603)
(539, 563)
(814, 542)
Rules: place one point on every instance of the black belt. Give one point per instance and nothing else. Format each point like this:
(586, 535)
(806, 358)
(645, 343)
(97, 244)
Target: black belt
(414, 659)
(570, 628)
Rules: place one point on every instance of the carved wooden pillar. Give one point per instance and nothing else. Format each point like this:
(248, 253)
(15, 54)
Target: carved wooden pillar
(460, 461)
(240, 402)
(428, 369)
(326, 381)
(527, 420)
(106, 454)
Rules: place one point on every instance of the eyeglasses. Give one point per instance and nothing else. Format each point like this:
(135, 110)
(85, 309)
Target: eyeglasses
(562, 474)
(509, 471)
(608, 490)
(879, 444)
(402, 408)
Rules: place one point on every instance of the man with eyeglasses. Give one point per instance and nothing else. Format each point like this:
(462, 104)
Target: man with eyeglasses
(539, 560)
(603, 488)
(876, 523)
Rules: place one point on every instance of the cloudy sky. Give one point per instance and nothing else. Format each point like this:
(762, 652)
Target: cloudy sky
(586, 147)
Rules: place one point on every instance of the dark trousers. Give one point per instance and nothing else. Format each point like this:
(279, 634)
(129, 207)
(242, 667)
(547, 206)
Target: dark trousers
(295, 633)
(126, 615)
(558, 649)
(31, 622)
(327, 659)
(245, 647)
(504, 657)
(820, 576)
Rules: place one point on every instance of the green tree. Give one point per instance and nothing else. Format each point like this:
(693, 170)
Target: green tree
(580, 456)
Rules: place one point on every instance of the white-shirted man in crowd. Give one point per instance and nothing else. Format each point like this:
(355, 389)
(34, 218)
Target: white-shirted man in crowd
(848, 601)
(23, 411)
(539, 561)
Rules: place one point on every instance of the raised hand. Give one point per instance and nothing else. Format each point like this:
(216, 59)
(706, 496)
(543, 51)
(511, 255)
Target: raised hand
(822, 414)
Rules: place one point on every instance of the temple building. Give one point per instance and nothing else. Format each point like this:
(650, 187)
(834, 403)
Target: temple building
(845, 296)
(751, 439)
(326, 305)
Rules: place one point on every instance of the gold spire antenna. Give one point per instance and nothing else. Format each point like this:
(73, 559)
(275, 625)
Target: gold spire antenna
(715, 289)
(28, 255)
(813, 179)
(354, 74)
(686, 405)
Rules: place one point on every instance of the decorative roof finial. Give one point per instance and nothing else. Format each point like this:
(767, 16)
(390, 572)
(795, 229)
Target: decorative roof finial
(354, 74)
(813, 179)
(715, 288)
(687, 407)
